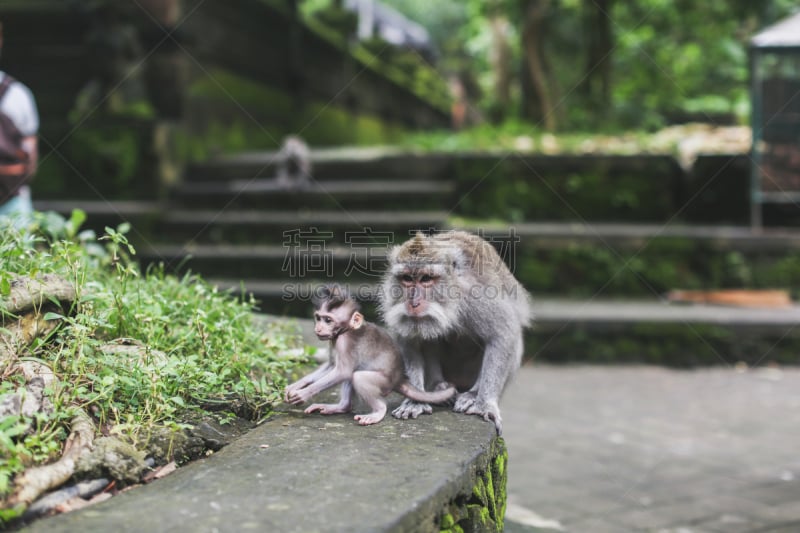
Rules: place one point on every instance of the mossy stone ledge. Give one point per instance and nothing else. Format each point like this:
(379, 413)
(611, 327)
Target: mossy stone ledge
(298, 472)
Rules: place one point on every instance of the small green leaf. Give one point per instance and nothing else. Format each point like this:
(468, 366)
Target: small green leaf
(76, 220)
(177, 400)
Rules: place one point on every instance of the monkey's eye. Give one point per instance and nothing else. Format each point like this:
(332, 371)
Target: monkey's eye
(407, 279)
(427, 280)
(327, 319)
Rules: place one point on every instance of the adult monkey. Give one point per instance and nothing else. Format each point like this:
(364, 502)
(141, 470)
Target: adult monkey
(458, 314)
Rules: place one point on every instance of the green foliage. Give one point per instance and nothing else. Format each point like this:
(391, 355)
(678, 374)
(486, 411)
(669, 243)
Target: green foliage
(270, 115)
(343, 21)
(618, 269)
(199, 345)
(108, 155)
(531, 188)
(519, 136)
(667, 58)
(405, 67)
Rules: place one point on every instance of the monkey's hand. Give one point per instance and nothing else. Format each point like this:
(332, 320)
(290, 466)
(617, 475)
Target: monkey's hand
(469, 403)
(293, 389)
(290, 390)
(411, 409)
(298, 396)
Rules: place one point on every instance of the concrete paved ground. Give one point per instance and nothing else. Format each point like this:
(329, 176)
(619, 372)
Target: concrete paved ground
(596, 449)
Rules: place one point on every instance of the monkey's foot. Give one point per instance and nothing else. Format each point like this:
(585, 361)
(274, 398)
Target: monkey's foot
(411, 409)
(469, 403)
(465, 401)
(327, 408)
(370, 418)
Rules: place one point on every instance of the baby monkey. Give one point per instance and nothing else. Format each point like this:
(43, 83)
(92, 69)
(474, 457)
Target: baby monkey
(362, 357)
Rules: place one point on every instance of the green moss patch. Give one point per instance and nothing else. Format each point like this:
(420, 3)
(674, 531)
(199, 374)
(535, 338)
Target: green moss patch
(484, 509)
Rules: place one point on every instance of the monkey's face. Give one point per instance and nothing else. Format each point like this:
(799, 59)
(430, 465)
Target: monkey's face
(418, 303)
(330, 323)
(324, 325)
(417, 291)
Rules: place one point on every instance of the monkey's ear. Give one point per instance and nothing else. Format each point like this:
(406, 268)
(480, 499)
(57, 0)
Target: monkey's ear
(357, 320)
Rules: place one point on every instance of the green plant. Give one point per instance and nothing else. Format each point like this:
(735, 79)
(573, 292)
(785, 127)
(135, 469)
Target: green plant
(194, 345)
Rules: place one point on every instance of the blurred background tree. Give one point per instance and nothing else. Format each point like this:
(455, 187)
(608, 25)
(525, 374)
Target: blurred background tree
(597, 64)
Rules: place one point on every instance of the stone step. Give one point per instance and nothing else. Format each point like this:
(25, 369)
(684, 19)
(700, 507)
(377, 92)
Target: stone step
(654, 332)
(547, 234)
(142, 215)
(608, 313)
(268, 261)
(627, 260)
(308, 226)
(338, 194)
(742, 238)
(120, 208)
(290, 297)
(154, 223)
(329, 164)
(555, 236)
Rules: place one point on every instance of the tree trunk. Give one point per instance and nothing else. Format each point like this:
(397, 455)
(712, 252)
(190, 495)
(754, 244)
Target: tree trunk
(596, 84)
(501, 65)
(538, 105)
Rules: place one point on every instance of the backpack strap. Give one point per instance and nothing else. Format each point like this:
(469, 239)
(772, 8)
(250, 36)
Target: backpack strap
(5, 84)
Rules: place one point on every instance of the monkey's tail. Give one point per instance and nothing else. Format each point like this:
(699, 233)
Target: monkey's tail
(439, 396)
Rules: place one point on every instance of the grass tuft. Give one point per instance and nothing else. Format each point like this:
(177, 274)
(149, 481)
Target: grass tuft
(199, 347)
